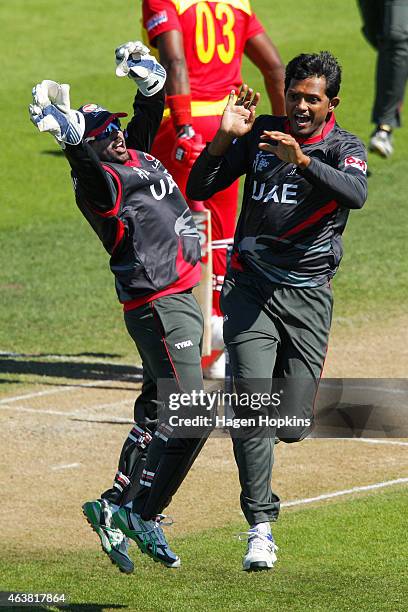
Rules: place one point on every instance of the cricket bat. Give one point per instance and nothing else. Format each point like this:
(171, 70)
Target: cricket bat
(203, 292)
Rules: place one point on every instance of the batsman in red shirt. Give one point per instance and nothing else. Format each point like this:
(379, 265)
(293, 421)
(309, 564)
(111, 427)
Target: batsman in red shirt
(201, 45)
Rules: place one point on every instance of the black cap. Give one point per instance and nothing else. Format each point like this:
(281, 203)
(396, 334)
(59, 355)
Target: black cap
(97, 119)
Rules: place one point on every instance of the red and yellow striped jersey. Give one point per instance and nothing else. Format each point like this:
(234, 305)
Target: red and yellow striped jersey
(214, 34)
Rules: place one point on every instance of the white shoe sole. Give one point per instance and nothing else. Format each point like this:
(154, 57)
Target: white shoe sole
(257, 566)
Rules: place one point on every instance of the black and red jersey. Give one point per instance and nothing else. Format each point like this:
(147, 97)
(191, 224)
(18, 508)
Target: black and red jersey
(291, 221)
(138, 213)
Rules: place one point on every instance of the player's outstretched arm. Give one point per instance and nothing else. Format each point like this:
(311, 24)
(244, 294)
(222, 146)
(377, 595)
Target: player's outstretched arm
(237, 119)
(51, 113)
(263, 53)
(133, 60)
(214, 171)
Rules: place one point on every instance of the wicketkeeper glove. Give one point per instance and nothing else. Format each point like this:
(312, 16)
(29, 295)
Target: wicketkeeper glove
(133, 60)
(51, 112)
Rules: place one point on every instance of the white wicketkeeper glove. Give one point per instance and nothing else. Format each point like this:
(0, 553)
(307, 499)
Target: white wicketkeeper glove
(133, 60)
(51, 112)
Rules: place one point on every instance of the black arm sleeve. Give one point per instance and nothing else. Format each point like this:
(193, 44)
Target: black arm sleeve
(147, 115)
(207, 176)
(211, 173)
(346, 183)
(90, 177)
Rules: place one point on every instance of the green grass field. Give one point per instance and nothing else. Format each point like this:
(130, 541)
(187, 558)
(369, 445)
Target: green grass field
(57, 291)
(348, 555)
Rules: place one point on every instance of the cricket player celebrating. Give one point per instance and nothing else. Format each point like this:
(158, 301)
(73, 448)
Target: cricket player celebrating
(201, 45)
(303, 176)
(144, 223)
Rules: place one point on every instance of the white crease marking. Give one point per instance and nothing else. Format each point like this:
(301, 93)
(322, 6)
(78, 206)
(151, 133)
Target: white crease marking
(76, 414)
(377, 485)
(66, 466)
(366, 440)
(17, 398)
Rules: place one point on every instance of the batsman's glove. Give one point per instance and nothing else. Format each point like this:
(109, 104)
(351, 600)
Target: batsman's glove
(51, 112)
(187, 148)
(133, 60)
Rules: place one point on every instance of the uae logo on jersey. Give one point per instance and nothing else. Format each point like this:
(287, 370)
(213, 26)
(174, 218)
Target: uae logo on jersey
(355, 162)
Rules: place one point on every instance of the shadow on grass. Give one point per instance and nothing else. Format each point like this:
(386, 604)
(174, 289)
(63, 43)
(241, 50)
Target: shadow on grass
(54, 153)
(105, 421)
(72, 370)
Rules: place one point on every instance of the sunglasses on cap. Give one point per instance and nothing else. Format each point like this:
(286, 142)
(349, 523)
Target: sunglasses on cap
(113, 126)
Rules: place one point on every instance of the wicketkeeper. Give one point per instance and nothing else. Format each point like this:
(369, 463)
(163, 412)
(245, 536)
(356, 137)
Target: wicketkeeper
(144, 223)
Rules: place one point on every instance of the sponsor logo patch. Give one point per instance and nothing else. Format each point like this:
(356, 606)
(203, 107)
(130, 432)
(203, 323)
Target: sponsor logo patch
(156, 20)
(355, 162)
(91, 108)
(183, 344)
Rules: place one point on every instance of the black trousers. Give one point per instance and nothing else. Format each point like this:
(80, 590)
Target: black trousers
(168, 335)
(277, 338)
(385, 26)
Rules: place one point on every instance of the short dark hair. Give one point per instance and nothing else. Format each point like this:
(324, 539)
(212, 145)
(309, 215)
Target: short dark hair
(315, 64)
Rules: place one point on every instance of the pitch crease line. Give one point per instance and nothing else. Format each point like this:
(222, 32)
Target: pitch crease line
(16, 398)
(70, 359)
(366, 440)
(372, 441)
(78, 415)
(377, 485)
(67, 466)
(395, 391)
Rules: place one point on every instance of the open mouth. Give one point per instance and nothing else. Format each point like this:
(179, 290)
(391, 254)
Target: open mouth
(119, 146)
(302, 120)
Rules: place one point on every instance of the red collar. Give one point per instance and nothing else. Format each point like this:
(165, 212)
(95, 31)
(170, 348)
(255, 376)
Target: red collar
(134, 159)
(327, 128)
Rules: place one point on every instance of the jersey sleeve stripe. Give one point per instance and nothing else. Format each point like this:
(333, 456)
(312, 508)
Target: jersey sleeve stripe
(115, 209)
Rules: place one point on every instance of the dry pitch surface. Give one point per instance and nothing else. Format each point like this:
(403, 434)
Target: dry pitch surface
(60, 449)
